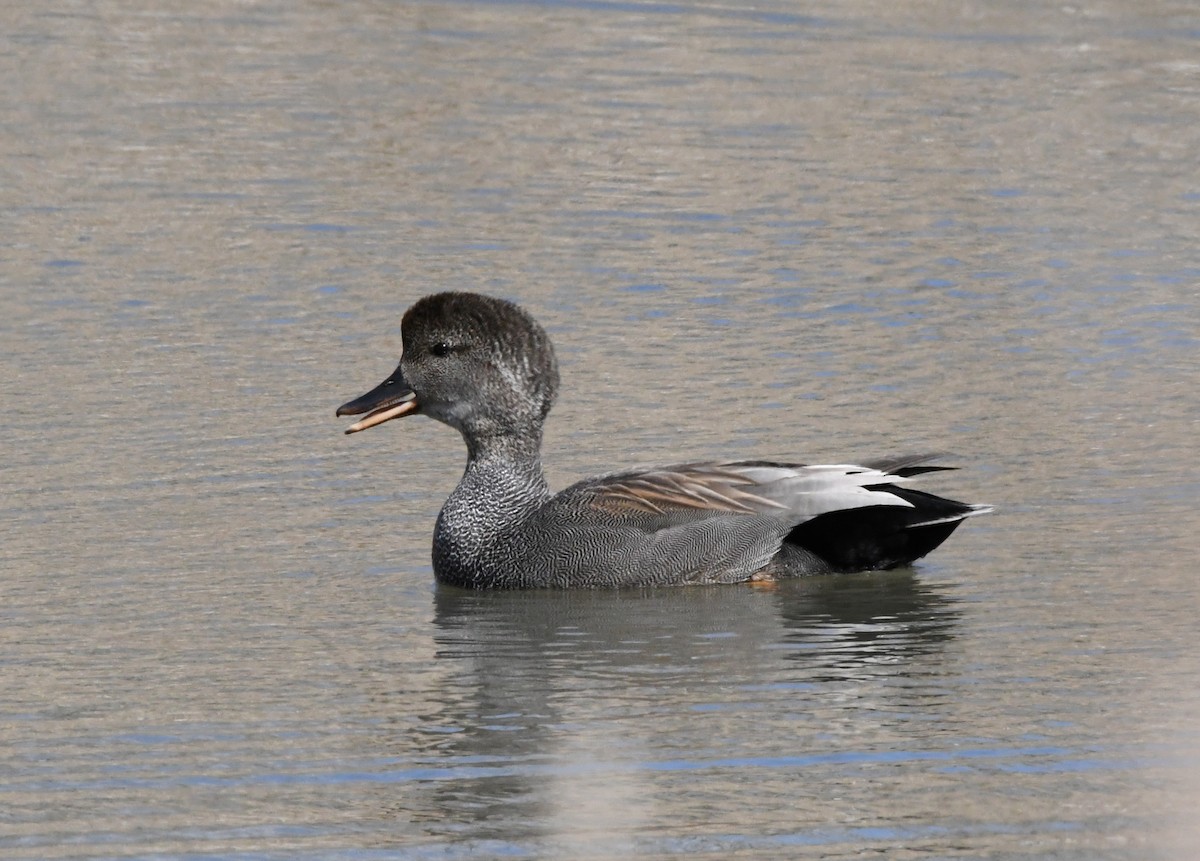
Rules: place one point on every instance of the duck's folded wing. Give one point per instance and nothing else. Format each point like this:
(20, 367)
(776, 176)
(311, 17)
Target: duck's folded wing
(790, 492)
(722, 522)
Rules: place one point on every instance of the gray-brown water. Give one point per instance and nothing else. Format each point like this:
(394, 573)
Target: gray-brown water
(806, 231)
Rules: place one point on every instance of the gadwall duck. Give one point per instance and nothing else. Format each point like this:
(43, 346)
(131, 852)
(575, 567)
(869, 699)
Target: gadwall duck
(486, 368)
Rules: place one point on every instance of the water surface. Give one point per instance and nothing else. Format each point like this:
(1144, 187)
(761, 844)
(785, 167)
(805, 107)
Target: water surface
(817, 233)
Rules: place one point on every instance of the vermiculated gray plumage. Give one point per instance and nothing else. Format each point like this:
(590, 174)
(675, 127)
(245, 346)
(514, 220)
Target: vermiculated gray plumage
(485, 367)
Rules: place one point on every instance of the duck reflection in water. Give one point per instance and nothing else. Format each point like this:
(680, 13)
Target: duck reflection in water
(548, 694)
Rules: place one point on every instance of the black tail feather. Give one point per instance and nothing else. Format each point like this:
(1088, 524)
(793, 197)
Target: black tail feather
(909, 464)
(885, 536)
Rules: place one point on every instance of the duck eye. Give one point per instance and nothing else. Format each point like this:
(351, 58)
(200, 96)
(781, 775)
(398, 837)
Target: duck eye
(441, 348)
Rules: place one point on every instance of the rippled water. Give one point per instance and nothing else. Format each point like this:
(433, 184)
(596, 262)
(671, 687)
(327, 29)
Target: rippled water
(818, 232)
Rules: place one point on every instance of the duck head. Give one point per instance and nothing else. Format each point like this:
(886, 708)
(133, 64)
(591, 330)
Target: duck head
(479, 364)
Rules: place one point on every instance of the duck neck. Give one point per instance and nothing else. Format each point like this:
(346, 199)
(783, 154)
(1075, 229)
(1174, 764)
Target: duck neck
(504, 475)
(503, 484)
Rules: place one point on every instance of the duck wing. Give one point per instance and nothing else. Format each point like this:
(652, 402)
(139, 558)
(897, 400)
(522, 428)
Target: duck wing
(732, 520)
(791, 492)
